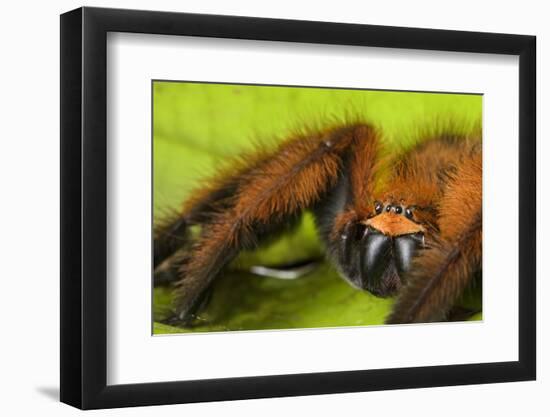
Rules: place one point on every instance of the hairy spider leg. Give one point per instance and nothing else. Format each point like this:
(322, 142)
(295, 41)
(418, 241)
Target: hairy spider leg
(265, 197)
(440, 275)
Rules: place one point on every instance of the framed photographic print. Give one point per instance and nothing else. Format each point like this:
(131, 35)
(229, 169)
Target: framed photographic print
(259, 207)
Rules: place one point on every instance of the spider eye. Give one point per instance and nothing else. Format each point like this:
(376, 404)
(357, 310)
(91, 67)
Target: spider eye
(408, 213)
(378, 207)
(399, 209)
(388, 208)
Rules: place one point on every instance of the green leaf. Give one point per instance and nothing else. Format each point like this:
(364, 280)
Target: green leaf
(243, 301)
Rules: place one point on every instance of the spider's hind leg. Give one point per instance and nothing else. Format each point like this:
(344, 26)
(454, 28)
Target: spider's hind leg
(172, 234)
(169, 234)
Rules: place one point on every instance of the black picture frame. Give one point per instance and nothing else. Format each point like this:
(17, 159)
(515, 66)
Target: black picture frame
(84, 207)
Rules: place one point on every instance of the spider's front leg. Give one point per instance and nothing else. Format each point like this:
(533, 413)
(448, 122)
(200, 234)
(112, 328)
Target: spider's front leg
(267, 195)
(440, 275)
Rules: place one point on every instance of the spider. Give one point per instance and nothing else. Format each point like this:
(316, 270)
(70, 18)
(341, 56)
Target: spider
(408, 225)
